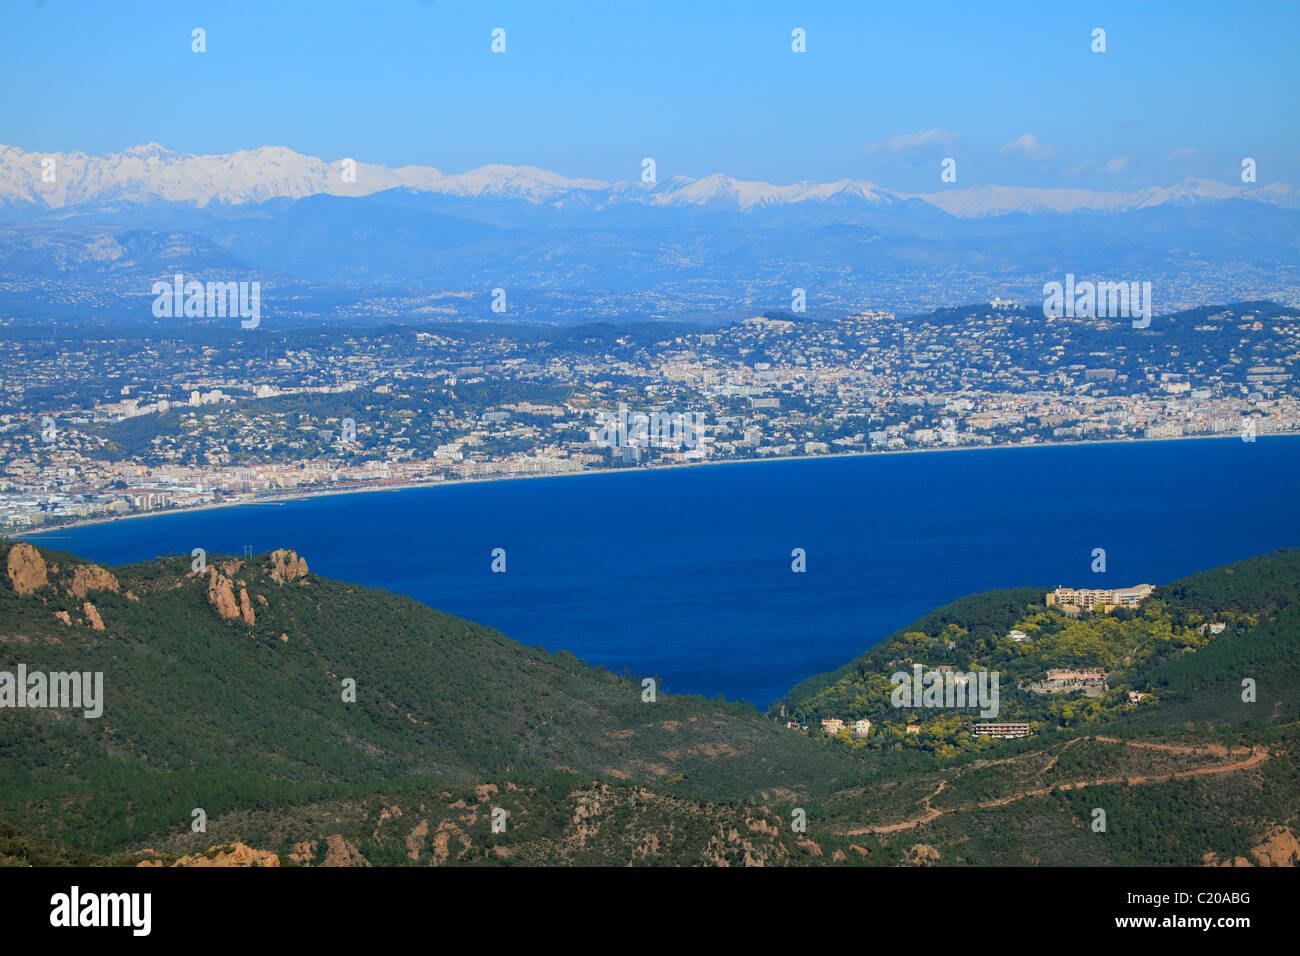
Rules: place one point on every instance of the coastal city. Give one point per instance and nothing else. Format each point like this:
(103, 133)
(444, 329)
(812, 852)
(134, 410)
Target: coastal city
(587, 436)
(97, 425)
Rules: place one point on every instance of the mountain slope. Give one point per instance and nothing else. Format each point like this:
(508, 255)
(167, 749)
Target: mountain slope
(204, 708)
(224, 692)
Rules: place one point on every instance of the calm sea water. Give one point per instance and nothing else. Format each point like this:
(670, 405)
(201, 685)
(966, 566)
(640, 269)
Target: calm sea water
(687, 573)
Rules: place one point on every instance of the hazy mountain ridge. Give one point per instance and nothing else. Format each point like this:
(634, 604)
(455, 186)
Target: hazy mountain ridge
(569, 249)
(151, 172)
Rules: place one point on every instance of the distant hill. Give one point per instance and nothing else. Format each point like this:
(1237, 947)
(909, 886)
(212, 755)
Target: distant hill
(340, 241)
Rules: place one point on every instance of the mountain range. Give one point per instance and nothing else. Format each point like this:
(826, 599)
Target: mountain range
(151, 172)
(331, 241)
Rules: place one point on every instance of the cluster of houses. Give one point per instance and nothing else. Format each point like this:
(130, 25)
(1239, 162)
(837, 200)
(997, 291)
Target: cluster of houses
(833, 725)
(862, 728)
(859, 728)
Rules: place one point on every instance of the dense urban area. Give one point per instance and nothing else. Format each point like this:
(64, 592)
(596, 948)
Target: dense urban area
(96, 424)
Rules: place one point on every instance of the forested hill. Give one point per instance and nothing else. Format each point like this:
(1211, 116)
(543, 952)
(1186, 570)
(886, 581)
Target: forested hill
(305, 721)
(1183, 654)
(225, 690)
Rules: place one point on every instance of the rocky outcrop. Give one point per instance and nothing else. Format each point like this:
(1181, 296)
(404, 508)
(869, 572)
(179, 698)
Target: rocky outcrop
(339, 852)
(922, 854)
(26, 569)
(809, 846)
(221, 595)
(91, 577)
(440, 845)
(237, 854)
(64, 616)
(92, 616)
(415, 840)
(1280, 848)
(287, 566)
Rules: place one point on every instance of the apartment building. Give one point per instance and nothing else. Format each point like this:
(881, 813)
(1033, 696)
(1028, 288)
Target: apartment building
(1099, 599)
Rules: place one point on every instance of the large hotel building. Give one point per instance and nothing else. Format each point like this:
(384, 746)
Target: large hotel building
(1098, 599)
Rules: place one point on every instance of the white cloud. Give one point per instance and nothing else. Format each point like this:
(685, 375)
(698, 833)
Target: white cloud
(1027, 145)
(921, 140)
(1183, 152)
(1117, 165)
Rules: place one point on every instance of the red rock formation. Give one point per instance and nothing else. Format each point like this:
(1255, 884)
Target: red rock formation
(26, 569)
(237, 854)
(92, 616)
(91, 577)
(245, 605)
(221, 595)
(287, 566)
(339, 852)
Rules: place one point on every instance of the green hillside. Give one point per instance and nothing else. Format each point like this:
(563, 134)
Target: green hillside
(205, 711)
(224, 690)
(1165, 650)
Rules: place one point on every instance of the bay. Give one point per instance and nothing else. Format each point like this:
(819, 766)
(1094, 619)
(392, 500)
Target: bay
(685, 573)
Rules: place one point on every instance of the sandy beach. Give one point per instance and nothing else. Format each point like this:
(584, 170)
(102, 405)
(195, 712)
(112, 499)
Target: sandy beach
(272, 500)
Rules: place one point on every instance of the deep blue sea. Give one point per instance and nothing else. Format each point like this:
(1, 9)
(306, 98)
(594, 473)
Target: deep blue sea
(686, 573)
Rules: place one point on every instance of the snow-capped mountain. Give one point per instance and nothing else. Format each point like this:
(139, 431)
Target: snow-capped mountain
(147, 173)
(723, 192)
(1000, 200)
(144, 174)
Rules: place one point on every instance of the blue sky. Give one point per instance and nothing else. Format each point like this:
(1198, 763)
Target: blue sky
(884, 91)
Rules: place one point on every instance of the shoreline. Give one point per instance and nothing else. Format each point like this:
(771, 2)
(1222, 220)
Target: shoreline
(292, 496)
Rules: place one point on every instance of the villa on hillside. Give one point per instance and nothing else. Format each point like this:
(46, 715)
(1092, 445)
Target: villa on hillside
(1086, 675)
(1091, 680)
(833, 725)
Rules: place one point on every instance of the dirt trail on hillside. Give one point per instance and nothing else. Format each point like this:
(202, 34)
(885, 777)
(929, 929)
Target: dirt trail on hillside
(1253, 757)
